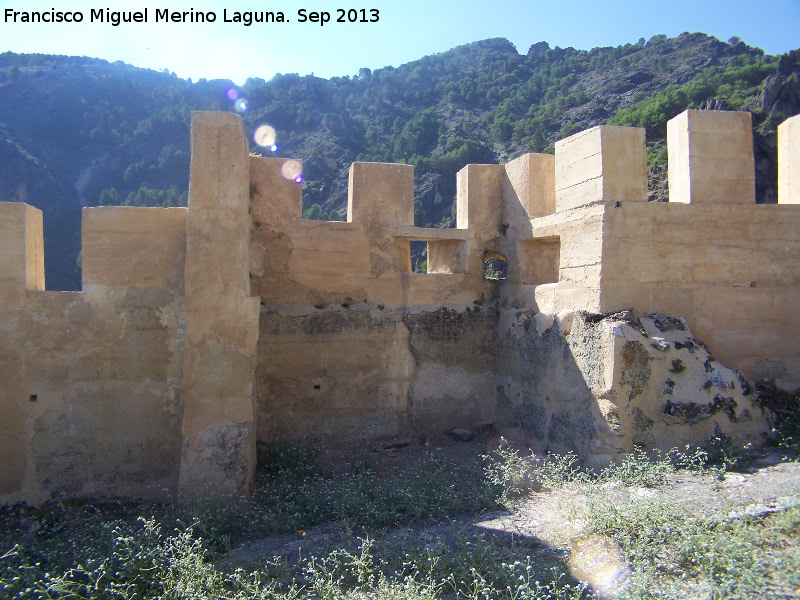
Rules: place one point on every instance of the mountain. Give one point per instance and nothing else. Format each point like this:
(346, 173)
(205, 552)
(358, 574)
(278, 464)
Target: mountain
(77, 131)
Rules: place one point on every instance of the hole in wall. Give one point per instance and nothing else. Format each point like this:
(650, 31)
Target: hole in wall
(419, 257)
(495, 266)
(316, 387)
(433, 256)
(33, 398)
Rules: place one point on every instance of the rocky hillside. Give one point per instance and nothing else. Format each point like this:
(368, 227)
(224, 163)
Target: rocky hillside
(80, 132)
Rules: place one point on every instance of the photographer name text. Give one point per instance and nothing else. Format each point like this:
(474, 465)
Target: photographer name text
(115, 18)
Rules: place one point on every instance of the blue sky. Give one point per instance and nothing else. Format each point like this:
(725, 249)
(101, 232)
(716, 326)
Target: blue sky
(404, 32)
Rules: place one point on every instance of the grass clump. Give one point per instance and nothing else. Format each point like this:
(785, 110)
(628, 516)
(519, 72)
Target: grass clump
(670, 551)
(673, 552)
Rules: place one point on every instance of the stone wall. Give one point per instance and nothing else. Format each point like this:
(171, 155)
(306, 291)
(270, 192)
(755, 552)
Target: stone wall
(199, 332)
(91, 392)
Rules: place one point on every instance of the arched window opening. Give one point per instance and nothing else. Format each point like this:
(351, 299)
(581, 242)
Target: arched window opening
(495, 266)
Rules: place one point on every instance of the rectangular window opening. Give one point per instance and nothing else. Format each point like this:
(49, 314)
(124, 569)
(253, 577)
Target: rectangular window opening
(419, 257)
(539, 260)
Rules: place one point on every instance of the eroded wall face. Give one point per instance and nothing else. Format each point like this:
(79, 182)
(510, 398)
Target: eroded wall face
(541, 390)
(339, 376)
(455, 363)
(355, 374)
(92, 382)
(605, 385)
(352, 345)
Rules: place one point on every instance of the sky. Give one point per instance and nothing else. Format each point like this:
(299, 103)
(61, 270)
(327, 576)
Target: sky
(403, 31)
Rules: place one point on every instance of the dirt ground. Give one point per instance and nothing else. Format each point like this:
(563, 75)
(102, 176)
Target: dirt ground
(545, 524)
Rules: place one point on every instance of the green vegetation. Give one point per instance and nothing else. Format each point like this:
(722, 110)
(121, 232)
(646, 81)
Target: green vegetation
(677, 366)
(315, 212)
(402, 531)
(736, 85)
(99, 133)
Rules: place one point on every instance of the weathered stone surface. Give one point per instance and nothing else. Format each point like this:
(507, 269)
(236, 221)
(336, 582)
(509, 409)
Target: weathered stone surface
(789, 161)
(604, 389)
(221, 318)
(159, 377)
(713, 153)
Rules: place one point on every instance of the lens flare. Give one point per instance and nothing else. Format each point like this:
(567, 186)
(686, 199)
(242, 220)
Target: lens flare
(265, 136)
(293, 170)
(597, 560)
(274, 148)
(232, 93)
(240, 105)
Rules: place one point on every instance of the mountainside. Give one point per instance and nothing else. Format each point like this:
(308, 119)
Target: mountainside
(80, 132)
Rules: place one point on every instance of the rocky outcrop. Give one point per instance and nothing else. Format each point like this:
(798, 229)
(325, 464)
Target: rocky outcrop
(779, 99)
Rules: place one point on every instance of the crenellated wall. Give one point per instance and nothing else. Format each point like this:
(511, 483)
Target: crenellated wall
(200, 331)
(91, 392)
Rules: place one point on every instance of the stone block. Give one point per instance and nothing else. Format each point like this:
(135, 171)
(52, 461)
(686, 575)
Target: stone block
(380, 196)
(529, 189)
(276, 197)
(711, 158)
(479, 199)
(21, 247)
(789, 161)
(602, 164)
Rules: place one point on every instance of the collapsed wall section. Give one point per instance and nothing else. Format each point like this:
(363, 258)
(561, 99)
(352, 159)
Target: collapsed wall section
(602, 385)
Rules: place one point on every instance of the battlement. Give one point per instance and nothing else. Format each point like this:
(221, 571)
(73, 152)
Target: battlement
(710, 154)
(201, 330)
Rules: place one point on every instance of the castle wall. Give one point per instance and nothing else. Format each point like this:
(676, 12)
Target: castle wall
(92, 382)
(711, 255)
(346, 351)
(715, 259)
(730, 271)
(201, 331)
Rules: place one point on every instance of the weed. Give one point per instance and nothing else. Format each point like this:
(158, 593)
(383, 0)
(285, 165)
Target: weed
(83, 550)
(638, 469)
(721, 451)
(677, 366)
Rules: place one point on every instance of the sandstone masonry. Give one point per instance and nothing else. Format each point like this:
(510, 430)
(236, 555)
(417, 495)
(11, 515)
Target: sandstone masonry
(200, 331)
